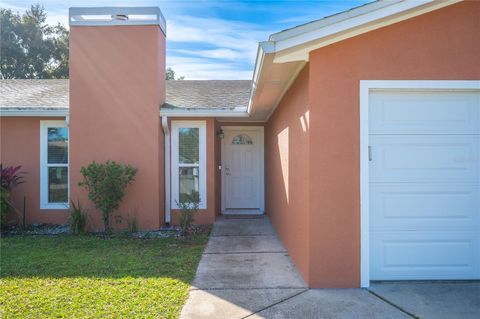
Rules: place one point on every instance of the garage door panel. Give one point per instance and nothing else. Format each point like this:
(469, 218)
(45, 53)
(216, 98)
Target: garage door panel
(425, 206)
(425, 255)
(424, 113)
(424, 158)
(424, 175)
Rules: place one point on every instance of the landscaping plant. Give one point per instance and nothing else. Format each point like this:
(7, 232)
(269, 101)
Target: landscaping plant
(78, 218)
(132, 225)
(10, 177)
(188, 207)
(106, 184)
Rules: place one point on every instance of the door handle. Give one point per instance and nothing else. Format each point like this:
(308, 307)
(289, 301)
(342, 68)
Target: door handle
(369, 153)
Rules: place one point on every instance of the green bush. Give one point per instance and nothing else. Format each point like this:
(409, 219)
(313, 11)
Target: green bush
(188, 207)
(4, 206)
(78, 219)
(106, 184)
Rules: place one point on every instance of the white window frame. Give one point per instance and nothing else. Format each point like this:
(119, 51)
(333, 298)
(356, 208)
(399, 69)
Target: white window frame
(44, 204)
(202, 166)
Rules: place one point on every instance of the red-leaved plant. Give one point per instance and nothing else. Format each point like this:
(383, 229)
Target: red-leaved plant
(10, 176)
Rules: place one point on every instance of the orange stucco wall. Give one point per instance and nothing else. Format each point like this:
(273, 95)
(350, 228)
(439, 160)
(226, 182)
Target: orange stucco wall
(116, 88)
(20, 145)
(313, 175)
(441, 45)
(286, 171)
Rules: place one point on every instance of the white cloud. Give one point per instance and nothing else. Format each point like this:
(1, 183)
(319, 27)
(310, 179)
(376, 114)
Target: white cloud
(203, 48)
(194, 68)
(231, 40)
(224, 54)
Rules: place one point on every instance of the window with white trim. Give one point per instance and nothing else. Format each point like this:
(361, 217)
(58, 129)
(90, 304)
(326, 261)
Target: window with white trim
(54, 165)
(189, 162)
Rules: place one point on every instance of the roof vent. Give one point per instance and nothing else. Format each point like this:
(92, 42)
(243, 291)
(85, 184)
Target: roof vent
(120, 17)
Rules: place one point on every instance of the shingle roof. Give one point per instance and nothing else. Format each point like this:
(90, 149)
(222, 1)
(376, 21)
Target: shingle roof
(26, 94)
(53, 94)
(211, 94)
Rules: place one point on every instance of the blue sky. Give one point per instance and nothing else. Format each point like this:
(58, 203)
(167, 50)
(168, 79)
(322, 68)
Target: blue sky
(211, 39)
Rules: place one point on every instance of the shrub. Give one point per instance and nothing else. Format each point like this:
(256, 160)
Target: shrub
(106, 184)
(78, 219)
(132, 225)
(10, 177)
(188, 207)
(4, 206)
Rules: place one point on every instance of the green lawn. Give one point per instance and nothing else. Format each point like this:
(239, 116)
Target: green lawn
(90, 277)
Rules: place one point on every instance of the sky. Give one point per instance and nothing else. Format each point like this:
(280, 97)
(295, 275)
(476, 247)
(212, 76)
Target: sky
(210, 39)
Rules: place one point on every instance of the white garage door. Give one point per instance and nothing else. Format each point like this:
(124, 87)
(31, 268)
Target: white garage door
(424, 185)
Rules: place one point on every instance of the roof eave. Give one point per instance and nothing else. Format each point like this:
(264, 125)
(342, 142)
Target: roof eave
(36, 112)
(293, 46)
(237, 113)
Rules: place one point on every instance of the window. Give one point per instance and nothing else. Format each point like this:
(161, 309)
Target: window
(189, 162)
(54, 161)
(242, 139)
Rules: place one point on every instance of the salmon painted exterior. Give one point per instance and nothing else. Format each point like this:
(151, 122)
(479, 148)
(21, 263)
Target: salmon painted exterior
(312, 139)
(287, 150)
(115, 93)
(19, 140)
(326, 201)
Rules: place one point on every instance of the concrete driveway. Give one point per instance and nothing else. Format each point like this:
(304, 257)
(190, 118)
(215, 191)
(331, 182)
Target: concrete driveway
(436, 300)
(245, 272)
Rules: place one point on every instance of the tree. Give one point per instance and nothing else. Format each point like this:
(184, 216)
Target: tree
(30, 48)
(171, 75)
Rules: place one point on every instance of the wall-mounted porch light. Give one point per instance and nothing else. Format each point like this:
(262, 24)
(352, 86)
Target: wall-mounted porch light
(220, 134)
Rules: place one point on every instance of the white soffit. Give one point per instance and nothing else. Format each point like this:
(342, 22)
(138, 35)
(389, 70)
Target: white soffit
(293, 46)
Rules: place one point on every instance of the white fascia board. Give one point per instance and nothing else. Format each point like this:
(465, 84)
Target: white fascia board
(295, 45)
(61, 112)
(202, 113)
(316, 35)
(333, 19)
(265, 47)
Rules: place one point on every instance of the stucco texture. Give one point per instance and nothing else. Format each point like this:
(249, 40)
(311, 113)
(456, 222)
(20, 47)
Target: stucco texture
(440, 45)
(116, 88)
(286, 171)
(20, 145)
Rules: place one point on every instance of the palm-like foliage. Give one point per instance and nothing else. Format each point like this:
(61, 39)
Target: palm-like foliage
(10, 176)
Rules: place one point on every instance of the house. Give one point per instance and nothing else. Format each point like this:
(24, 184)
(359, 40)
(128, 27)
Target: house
(358, 136)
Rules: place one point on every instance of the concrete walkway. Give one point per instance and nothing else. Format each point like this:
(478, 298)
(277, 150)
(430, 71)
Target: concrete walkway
(245, 272)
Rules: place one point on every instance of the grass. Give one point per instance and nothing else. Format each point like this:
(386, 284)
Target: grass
(90, 277)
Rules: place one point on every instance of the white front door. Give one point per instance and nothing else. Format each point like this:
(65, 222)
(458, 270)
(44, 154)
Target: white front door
(424, 185)
(242, 170)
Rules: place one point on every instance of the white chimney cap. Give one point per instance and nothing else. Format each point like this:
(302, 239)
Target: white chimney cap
(107, 16)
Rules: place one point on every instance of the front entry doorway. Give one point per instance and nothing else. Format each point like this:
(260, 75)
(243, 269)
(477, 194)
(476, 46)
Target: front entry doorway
(242, 170)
